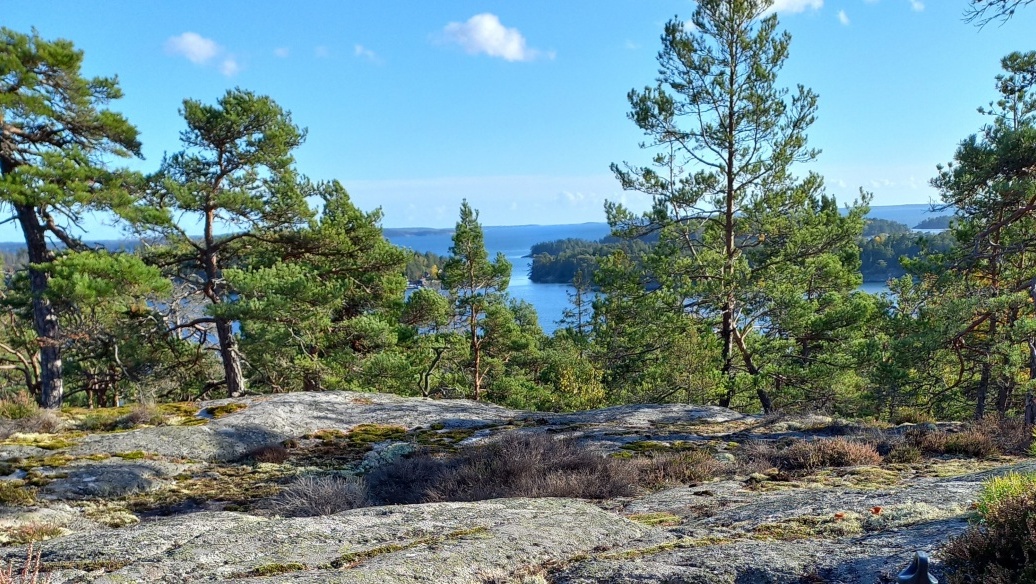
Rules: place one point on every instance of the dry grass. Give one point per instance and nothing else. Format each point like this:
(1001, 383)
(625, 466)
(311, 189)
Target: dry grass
(323, 495)
(513, 466)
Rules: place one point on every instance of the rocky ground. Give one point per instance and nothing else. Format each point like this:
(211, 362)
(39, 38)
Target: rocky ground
(189, 501)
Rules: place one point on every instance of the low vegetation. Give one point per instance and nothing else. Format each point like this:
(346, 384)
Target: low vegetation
(1002, 545)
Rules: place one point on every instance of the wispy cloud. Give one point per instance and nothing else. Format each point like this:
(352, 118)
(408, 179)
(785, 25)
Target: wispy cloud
(795, 5)
(321, 52)
(916, 5)
(843, 18)
(364, 52)
(192, 45)
(202, 51)
(632, 46)
(484, 33)
(282, 52)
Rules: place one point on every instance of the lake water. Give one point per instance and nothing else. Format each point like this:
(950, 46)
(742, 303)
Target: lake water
(514, 242)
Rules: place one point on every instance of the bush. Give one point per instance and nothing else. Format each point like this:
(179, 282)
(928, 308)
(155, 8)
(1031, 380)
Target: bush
(512, 466)
(822, 453)
(273, 453)
(972, 442)
(692, 466)
(141, 414)
(904, 454)
(18, 406)
(310, 496)
(911, 416)
(999, 550)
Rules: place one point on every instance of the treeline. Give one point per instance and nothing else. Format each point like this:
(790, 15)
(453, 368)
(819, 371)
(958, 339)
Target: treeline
(424, 266)
(883, 244)
(739, 287)
(939, 222)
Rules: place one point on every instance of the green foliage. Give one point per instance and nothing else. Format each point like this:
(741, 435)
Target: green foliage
(874, 227)
(1000, 548)
(998, 489)
(938, 222)
(424, 266)
(476, 286)
(57, 132)
(740, 239)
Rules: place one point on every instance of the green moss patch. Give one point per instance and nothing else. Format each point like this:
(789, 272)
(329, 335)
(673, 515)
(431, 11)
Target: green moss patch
(17, 493)
(656, 519)
(224, 410)
(271, 570)
(352, 559)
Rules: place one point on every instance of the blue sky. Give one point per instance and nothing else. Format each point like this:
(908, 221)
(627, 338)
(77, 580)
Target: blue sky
(521, 106)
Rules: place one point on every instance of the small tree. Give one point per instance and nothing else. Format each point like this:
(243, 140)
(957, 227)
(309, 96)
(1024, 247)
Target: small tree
(236, 178)
(475, 283)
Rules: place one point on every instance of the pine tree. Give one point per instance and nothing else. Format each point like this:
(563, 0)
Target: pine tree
(475, 284)
(55, 135)
(738, 232)
(236, 178)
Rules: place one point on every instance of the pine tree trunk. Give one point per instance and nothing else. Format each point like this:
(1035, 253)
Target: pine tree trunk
(231, 359)
(44, 317)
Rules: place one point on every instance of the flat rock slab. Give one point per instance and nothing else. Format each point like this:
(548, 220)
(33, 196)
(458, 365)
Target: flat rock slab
(271, 419)
(439, 542)
(110, 478)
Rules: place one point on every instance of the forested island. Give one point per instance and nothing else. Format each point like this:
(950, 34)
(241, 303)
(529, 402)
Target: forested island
(883, 243)
(939, 222)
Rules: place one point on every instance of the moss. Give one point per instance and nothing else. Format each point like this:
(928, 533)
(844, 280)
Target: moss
(31, 532)
(441, 438)
(182, 409)
(326, 435)
(240, 485)
(17, 493)
(44, 441)
(52, 461)
(835, 525)
(655, 519)
(110, 565)
(224, 410)
(271, 570)
(374, 433)
(133, 455)
(684, 543)
(352, 559)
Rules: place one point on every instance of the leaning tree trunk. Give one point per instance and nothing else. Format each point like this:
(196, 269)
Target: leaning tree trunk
(231, 358)
(44, 317)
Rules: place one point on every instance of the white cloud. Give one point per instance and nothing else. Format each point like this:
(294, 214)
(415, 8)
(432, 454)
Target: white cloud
(795, 5)
(229, 66)
(282, 52)
(843, 17)
(484, 33)
(362, 51)
(321, 52)
(195, 47)
(201, 51)
(632, 46)
(916, 5)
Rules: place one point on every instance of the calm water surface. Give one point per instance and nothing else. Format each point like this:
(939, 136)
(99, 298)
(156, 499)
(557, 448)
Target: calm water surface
(550, 300)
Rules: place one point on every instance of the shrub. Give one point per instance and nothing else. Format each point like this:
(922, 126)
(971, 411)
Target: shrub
(18, 406)
(691, 466)
(141, 414)
(321, 495)
(999, 550)
(971, 442)
(904, 454)
(30, 532)
(41, 422)
(1010, 435)
(911, 416)
(512, 466)
(832, 452)
(273, 453)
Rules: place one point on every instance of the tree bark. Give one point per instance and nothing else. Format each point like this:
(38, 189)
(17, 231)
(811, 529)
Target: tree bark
(44, 317)
(231, 359)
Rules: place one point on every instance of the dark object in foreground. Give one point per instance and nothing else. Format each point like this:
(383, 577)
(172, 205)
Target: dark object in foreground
(917, 571)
